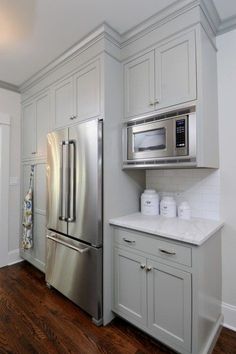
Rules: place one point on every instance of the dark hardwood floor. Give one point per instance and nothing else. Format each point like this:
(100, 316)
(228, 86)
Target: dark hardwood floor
(34, 319)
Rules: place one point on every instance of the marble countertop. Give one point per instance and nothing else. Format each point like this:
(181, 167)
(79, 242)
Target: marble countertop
(194, 231)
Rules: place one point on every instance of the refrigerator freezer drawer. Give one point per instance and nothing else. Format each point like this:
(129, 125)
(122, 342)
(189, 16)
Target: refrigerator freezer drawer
(75, 269)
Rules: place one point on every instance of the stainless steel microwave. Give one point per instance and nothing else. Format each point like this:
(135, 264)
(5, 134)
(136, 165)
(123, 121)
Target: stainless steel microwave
(158, 141)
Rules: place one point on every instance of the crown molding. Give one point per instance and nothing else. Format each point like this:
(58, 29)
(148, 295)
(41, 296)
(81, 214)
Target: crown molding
(105, 31)
(7, 86)
(227, 25)
(101, 32)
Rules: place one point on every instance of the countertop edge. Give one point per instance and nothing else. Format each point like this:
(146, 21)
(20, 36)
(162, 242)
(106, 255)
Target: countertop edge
(218, 226)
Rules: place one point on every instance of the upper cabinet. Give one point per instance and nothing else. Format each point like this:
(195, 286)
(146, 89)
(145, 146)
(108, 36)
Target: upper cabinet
(35, 126)
(77, 97)
(163, 77)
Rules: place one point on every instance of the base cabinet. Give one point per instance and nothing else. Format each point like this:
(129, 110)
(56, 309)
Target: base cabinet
(167, 289)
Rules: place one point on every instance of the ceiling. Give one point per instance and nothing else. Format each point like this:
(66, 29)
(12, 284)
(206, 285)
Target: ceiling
(35, 32)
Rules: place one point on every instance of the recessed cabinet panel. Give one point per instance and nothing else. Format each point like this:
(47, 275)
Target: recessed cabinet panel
(40, 190)
(42, 124)
(63, 102)
(139, 85)
(87, 92)
(169, 304)
(175, 65)
(130, 285)
(28, 131)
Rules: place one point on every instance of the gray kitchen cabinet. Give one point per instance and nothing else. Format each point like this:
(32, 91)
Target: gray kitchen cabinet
(77, 97)
(163, 77)
(35, 126)
(130, 285)
(62, 102)
(168, 288)
(139, 85)
(169, 303)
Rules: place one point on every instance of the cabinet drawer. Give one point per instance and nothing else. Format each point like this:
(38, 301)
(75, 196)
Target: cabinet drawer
(164, 249)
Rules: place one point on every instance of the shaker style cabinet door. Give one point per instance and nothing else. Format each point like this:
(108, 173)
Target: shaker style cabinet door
(139, 85)
(35, 126)
(175, 71)
(169, 304)
(130, 286)
(28, 131)
(62, 102)
(87, 102)
(43, 126)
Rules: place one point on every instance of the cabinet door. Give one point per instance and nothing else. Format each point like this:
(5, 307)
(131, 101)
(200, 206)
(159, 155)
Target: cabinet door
(169, 304)
(139, 85)
(175, 65)
(62, 102)
(87, 92)
(130, 286)
(28, 131)
(42, 123)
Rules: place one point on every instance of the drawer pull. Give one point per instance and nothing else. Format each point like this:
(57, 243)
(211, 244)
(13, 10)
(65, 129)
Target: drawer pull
(142, 266)
(148, 269)
(171, 253)
(128, 241)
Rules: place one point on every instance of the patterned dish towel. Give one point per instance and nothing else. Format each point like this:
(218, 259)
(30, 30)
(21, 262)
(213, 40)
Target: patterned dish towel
(27, 237)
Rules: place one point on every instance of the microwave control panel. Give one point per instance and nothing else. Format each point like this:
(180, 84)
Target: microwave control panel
(181, 129)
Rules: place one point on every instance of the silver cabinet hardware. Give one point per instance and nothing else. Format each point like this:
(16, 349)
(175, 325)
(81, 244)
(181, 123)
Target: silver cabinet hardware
(171, 253)
(142, 266)
(148, 269)
(156, 101)
(151, 103)
(73, 117)
(34, 153)
(80, 250)
(128, 241)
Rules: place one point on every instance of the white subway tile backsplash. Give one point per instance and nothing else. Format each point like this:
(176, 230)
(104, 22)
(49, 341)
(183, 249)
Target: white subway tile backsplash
(199, 187)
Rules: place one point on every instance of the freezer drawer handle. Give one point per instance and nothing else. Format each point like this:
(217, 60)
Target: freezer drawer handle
(80, 250)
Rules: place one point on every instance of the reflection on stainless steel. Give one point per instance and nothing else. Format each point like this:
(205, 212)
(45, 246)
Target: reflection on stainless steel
(74, 215)
(76, 275)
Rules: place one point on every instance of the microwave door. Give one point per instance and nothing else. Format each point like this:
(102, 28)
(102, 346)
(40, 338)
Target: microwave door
(151, 140)
(85, 210)
(57, 181)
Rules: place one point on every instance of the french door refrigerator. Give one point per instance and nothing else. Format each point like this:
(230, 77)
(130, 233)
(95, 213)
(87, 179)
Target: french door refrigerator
(74, 215)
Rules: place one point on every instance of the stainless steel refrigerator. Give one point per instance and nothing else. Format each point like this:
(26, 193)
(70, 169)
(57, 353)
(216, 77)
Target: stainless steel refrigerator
(74, 215)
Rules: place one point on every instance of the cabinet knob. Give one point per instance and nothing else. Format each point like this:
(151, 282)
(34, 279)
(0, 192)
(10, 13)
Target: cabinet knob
(142, 266)
(151, 103)
(73, 117)
(156, 101)
(34, 153)
(148, 269)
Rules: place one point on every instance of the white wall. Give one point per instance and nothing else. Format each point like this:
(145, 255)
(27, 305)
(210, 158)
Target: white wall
(226, 44)
(10, 104)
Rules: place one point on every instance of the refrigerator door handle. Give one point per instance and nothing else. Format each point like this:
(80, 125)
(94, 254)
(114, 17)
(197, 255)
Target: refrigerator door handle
(72, 182)
(64, 181)
(80, 250)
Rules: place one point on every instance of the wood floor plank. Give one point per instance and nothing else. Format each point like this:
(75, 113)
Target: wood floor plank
(34, 319)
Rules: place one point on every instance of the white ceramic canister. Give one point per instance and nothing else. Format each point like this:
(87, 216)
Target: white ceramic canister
(150, 202)
(168, 207)
(184, 211)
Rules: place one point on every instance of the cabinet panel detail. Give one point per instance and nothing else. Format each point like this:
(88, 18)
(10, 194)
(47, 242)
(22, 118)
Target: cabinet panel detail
(130, 285)
(139, 85)
(169, 304)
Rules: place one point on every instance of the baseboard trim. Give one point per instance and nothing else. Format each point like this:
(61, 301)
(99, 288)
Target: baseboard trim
(14, 257)
(229, 312)
(34, 261)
